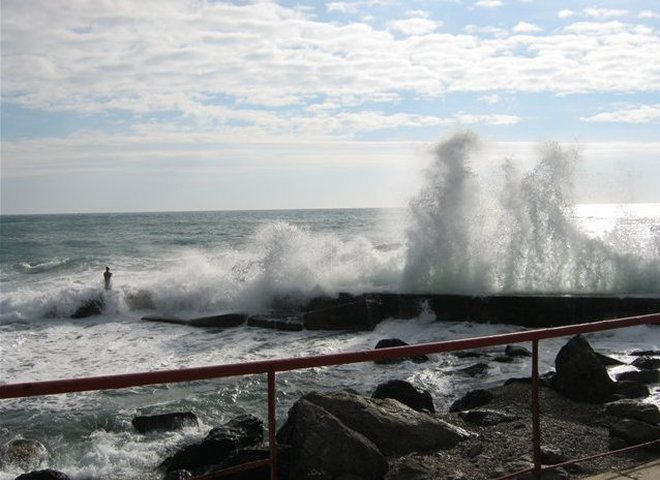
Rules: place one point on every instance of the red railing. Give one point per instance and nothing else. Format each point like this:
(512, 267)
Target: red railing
(271, 367)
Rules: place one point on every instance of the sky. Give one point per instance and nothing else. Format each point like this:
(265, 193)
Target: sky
(163, 105)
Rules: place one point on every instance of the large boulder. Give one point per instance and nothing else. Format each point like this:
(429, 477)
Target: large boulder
(646, 412)
(324, 447)
(633, 432)
(646, 363)
(24, 453)
(219, 444)
(472, 399)
(394, 427)
(640, 376)
(580, 375)
(164, 422)
(407, 394)
(397, 342)
(358, 314)
(43, 475)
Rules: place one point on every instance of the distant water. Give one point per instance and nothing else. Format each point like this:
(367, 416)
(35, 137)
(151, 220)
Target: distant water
(461, 234)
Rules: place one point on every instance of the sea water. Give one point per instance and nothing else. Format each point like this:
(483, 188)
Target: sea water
(460, 234)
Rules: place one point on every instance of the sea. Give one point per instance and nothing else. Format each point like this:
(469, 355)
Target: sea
(459, 234)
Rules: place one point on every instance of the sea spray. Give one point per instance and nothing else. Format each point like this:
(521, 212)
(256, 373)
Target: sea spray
(466, 236)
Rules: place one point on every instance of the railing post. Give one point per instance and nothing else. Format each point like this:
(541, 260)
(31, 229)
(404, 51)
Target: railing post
(536, 416)
(272, 440)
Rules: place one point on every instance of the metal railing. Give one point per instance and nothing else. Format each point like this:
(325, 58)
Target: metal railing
(271, 367)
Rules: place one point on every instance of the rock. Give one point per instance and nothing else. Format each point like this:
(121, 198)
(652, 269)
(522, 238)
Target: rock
(322, 446)
(609, 361)
(243, 431)
(395, 428)
(517, 351)
(469, 354)
(486, 417)
(178, 475)
(646, 412)
(552, 455)
(640, 376)
(43, 475)
(24, 454)
(407, 394)
(474, 370)
(628, 389)
(645, 353)
(220, 321)
(164, 422)
(472, 399)
(396, 342)
(633, 432)
(410, 468)
(646, 363)
(90, 307)
(360, 314)
(503, 359)
(580, 375)
(288, 323)
(252, 455)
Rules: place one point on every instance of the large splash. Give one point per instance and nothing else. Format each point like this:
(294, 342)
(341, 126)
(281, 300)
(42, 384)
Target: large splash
(511, 233)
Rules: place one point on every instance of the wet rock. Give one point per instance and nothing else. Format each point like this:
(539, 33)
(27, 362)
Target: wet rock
(645, 353)
(580, 375)
(43, 475)
(407, 394)
(517, 351)
(359, 314)
(486, 417)
(503, 359)
(243, 431)
(322, 446)
(640, 376)
(628, 389)
(90, 307)
(288, 323)
(645, 412)
(395, 428)
(472, 399)
(646, 363)
(164, 422)
(224, 320)
(396, 342)
(474, 370)
(24, 453)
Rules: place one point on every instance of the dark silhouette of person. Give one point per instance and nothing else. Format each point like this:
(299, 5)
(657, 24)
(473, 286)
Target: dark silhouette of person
(106, 277)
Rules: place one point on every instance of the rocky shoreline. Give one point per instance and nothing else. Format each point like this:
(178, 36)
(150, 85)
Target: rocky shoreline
(394, 433)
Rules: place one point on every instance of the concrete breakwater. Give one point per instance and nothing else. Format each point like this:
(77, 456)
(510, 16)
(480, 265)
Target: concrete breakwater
(365, 311)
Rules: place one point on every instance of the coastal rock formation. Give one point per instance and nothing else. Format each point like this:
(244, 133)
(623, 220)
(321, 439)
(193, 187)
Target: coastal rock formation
(395, 428)
(164, 422)
(43, 475)
(646, 363)
(581, 376)
(219, 444)
(24, 453)
(397, 342)
(407, 394)
(360, 314)
(517, 351)
(90, 307)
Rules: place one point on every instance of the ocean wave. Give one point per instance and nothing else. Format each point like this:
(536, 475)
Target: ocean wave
(42, 267)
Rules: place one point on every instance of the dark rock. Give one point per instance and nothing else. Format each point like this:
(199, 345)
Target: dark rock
(288, 323)
(646, 363)
(322, 446)
(486, 417)
(472, 399)
(395, 428)
(503, 359)
(396, 342)
(407, 394)
(474, 370)
(580, 375)
(361, 314)
(469, 354)
(645, 353)
(609, 361)
(25, 454)
(43, 475)
(633, 432)
(164, 422)
(90, 307)
(544, 380)
(252, 455)
(646, 412)
(165, 319)
(628, 389)
(640, 376)
(178, 475)
(243, 431)
(552, 455)
(517, 351)
(219, 321)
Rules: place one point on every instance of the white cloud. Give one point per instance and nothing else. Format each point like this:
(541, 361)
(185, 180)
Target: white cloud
(604, 13)
(649, 14)
(414, 26)
(491, 99)
(489, 3)
(630, 114)
(524, 27)
(565, 14)
(342, 7)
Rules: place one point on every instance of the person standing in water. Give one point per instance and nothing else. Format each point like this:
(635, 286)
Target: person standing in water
(106, 277)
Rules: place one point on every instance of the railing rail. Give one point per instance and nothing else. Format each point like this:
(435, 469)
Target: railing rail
(271, 367)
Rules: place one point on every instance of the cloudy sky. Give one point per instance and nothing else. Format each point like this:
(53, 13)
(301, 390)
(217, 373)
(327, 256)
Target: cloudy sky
(149, 105)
